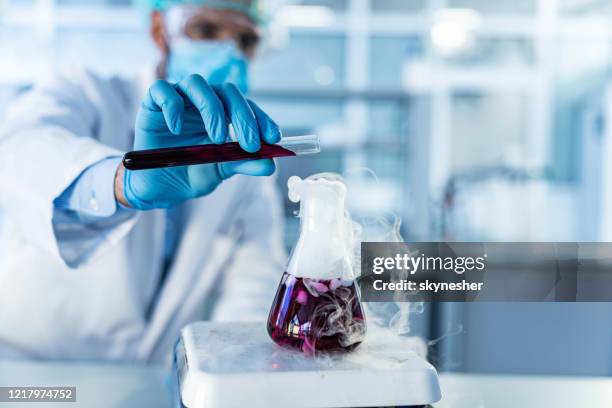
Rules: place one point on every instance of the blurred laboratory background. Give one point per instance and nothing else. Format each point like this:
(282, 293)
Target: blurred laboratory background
(477, 119)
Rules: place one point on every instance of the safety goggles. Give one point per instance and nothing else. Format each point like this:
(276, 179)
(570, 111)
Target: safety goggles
(203, 23)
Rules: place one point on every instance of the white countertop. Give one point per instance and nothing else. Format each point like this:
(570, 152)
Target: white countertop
(98, 385)
(106, 385)
(512, 391)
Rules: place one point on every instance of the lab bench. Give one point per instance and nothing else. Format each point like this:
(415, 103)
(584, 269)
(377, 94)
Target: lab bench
(109, 385)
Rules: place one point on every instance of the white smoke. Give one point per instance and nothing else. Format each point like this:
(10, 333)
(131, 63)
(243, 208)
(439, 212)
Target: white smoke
(324, 247)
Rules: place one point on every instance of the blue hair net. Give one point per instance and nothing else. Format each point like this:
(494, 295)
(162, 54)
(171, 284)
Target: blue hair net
(254, 9)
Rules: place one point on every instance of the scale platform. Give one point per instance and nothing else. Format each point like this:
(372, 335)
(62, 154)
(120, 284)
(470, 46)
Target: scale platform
(237, 365)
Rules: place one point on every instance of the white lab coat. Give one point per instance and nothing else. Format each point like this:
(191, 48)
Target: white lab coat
(104, 307)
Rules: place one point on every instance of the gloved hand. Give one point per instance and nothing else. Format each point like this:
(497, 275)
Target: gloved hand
(188, 113)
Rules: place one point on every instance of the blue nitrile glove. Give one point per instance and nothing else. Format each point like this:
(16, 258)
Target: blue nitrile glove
(188, 113)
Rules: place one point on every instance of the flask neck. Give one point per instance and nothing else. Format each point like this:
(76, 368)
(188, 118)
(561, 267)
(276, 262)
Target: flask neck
(322, 249)
(320, 219)
(321, 253)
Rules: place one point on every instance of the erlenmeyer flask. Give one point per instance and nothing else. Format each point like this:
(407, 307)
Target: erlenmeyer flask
(317, 305)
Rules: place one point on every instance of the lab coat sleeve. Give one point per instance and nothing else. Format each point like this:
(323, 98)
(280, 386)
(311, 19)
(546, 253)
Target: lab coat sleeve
(46, 142)
(91, 196)
(86, 212)
(251, 278)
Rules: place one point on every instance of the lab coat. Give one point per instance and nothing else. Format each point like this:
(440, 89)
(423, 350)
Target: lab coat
(91, 292)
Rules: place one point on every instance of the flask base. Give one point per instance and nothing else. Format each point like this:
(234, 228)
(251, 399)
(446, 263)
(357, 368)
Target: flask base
(314, 315)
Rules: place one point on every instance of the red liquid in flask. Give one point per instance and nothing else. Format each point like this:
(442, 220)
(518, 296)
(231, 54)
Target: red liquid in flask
(315, 315)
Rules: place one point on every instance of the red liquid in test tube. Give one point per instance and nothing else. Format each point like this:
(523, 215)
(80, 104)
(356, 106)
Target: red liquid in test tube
(212, 153)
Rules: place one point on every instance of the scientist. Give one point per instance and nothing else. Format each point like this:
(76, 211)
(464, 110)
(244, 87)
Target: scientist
(101, 263)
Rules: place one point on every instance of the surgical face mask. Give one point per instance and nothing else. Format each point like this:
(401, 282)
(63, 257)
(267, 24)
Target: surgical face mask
(218, 61)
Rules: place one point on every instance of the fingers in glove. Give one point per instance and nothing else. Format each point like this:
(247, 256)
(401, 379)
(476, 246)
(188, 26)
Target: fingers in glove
(203, 97)
(241, 116)
(264, 167)
(162, 96)
(269, 131)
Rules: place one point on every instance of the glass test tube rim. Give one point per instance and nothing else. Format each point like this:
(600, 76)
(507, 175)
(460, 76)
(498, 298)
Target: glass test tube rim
(300, 145)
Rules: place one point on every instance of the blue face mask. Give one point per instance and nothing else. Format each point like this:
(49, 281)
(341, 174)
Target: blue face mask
(216, 61)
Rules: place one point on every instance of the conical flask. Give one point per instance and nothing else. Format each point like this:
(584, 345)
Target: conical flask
(317, 305)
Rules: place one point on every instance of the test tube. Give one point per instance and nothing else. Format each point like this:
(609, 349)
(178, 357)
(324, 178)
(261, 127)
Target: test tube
(212, 153)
